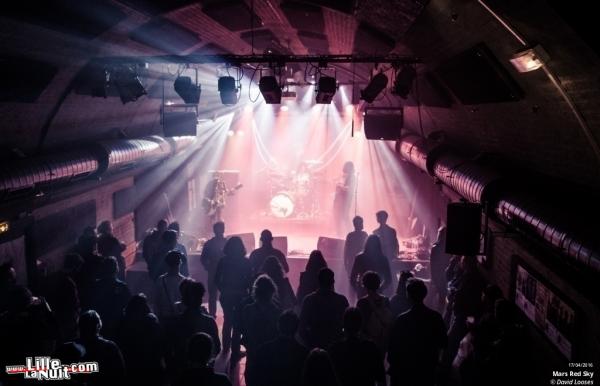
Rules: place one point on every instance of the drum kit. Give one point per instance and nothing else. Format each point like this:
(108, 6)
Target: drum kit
(294, 194)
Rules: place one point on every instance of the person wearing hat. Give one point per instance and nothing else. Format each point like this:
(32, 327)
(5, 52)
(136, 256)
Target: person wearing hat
(259, 255)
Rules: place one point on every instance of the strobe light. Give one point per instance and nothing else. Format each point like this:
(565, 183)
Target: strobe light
(375, 86)
(228, 90)
(188, 91)
(270, 89)
(326, 88)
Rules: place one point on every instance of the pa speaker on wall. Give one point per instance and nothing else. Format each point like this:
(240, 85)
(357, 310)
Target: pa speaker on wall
(383, 123)
(463, 232)
(179, 123)
(476, 76)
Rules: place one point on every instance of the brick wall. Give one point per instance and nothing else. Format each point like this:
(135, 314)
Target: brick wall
(103, 197)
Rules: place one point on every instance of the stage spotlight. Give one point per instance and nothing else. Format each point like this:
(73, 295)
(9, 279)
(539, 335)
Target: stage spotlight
(228, 90)
(230, 133)
(128, 83)
(326, 88)
(284, 108)
(189, 92)
(404, 81)
(270, 89)
(240, 133)
(349, 108)
(375, 86)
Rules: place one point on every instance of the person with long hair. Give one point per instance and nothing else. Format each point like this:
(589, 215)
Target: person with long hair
(371, 259)
(284, 296)
(309, 279)
(232, 278)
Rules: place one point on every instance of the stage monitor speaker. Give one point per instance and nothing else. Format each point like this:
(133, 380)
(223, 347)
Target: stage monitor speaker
(281, 243)
(248, 240)
(383, 123)
(179, 123)
(331, 248)
(463, 229)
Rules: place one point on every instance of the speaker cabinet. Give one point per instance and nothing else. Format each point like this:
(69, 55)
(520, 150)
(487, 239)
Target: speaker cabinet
(382, 123)
(179, 123)
(331, 248)
(281, 243)
(463, 229)
(248, 240)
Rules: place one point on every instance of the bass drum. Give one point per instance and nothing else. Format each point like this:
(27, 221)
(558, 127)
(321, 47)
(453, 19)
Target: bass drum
(282, 205)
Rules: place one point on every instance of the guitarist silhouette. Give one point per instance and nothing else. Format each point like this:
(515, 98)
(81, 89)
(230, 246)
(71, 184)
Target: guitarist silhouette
(215, 198)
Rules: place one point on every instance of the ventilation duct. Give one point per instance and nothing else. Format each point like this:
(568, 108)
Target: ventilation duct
(512, 205)
(25, 176)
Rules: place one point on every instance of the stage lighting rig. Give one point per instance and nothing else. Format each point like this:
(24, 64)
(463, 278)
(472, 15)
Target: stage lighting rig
(128, 83)
(326, 86)
(228, 90)
(375, 86)
(188, 91)
(404, 80)
(270, 89)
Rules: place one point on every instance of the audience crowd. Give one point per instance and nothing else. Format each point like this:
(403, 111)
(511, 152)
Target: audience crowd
(309, 337)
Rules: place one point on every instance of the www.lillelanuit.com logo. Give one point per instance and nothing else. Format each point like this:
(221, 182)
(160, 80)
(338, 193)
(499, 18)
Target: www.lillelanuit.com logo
(46, 368)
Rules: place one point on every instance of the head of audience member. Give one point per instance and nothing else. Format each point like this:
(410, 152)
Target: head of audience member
(353, 321)
(199, 350)
(371, 281)
(382, 217)
(318, 369)
(105, 228)
(404, 276)
(358, 223)
(266, 238)
(219, 228)
(348, 167)
(109, 268)
(169, 239)
(416, 290)
(272, 268)
(173, 261)
(234, 247)
(373, 246)
(174, 226)
(315, 262)
(161, 225)
(8, 275)
(326, 279)
(184, 285)
(72, 263)
(192, 294)
(90, 325)
(138, 307)
(489, 295)
(263, 289)
(288, 323)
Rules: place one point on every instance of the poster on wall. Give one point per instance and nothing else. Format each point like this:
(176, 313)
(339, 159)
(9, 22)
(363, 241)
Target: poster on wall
(554, 317)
